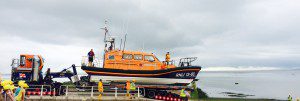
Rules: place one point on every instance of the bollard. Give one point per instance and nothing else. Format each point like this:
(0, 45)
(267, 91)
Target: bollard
(54, 92)
(138, 92)
(67, 90)
(116, 92)
(92, 92)
(42, 90)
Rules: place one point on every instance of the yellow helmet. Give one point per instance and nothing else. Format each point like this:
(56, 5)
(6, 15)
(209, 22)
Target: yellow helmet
(25, 85)
(3, 83)
(133, 80)
(20, 83)
(10, 82)
(7, 87)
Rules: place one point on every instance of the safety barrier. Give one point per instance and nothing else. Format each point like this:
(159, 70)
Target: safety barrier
(63, 90)
(40, 90)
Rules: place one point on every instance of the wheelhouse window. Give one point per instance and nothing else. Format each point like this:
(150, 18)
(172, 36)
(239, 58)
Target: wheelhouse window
(149, 58)
(127, 56)
(138, 57)
(111, 57)
(22, 60)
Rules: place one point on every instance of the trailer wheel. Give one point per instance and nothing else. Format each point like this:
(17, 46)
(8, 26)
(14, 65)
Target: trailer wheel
(151, 94)
(162, 93)
(142, 92)
(62, 90)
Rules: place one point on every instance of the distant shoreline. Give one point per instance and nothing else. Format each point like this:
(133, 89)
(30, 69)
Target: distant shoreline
(237, 99)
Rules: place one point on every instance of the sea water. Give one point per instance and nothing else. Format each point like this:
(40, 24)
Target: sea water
(271, 84)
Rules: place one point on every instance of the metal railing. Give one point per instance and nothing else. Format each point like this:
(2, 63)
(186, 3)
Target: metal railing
(185, 62)
(65, 91)
(97, 62)
(94, 89)
(172, 62)
(15, 63)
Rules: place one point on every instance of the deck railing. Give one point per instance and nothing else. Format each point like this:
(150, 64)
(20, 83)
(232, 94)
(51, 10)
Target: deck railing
(97, 62)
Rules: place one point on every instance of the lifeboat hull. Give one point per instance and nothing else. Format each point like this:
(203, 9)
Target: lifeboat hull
(172, 76)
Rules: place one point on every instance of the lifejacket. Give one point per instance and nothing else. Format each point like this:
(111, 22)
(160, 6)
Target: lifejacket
(132, 86)
(182, 93)
(290, 98)
(167, 57)
(17, 91)
(128, 86)
(19, 95)
(163, 66)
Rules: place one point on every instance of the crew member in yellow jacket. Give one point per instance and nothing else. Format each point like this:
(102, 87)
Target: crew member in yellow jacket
(168, 57)
(132, 88)
(100, 89)
(20, 91)
(183, 95)
(8, 90)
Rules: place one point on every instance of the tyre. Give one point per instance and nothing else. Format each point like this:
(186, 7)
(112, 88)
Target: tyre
(151, 94)
(162, 93)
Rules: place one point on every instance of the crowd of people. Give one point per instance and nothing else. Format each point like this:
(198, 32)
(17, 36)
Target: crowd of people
(9, 92)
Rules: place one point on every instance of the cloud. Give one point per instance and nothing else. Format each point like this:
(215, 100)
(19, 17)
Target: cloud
(219, 33)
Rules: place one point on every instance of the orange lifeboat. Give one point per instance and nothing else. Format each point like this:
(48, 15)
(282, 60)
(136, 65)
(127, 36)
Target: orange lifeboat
(122, 65)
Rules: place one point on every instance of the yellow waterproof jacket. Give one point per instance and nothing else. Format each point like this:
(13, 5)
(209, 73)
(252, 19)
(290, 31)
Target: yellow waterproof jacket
(100, 87)
(132, 86)
(128, 86)
(20, 94)
(182, 93)
(290, 98)
(168, 57)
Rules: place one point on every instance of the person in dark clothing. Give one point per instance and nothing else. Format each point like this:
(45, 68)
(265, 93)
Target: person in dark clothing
(110, 48)
(91, 56)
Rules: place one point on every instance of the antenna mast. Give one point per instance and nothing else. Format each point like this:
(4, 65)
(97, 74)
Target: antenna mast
(105, 29)
(124, 43)
(121, 44)
(105, 34)
(108, 39)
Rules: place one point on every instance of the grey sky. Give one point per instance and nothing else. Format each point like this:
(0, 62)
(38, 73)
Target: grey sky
(262, 33)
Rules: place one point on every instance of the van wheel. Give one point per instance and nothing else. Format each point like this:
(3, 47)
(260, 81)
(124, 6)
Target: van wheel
(142, 92)
(162, 93)
(151, 94)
